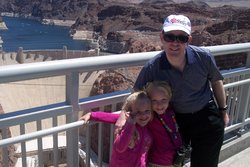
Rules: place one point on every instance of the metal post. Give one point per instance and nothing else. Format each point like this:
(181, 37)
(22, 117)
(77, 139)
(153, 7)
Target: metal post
(243, 104)
(248, 60)
(72, 96)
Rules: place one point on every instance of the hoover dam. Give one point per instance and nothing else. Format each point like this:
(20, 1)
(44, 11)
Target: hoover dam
(21, 95)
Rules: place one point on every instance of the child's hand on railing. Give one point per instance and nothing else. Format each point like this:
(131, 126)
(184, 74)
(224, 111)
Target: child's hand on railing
(86, 117)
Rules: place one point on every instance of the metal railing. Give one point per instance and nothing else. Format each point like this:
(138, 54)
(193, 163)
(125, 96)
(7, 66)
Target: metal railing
(237, 89)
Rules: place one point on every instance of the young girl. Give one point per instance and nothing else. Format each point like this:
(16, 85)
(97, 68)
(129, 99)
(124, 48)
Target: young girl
(166, 137)
(133, 141)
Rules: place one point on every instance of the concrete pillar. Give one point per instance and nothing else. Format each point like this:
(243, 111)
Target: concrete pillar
(11, 56)
(28, 55)
(65, 54)
(97, 51)
(19, 56)
(3, 56)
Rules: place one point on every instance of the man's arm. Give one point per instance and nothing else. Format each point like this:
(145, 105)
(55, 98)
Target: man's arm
(220, 96)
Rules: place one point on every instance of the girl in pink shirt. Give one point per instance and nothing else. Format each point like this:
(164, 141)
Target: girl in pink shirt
(133, 141)
(166, 137)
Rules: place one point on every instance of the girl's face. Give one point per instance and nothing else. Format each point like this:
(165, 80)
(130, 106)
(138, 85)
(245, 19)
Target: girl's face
(142, 112)
(159, 101)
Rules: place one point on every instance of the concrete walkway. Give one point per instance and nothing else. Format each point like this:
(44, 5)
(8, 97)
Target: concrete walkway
(235, 153)
(242, 159)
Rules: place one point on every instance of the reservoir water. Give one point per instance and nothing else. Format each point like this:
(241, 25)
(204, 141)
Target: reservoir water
(31, 35)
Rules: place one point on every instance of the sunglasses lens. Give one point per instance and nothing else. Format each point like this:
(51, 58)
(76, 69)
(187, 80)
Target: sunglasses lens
(172, 38)
(182, 38)
(169, 37)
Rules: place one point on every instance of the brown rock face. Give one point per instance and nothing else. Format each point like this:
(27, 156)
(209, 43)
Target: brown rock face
(11, 148)
(12, 158)
(139, 25)
(111, 81)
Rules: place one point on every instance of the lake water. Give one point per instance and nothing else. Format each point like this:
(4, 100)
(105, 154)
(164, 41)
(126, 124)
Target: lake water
(32, 35)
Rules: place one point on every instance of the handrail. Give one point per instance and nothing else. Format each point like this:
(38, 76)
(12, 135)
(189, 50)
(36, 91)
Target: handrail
(229, 48)
(12, 73)
(18, 72)
(242, 82)
(41, 133)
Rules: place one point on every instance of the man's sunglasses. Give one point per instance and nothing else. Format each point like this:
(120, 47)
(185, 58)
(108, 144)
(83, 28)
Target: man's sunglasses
(178, 38)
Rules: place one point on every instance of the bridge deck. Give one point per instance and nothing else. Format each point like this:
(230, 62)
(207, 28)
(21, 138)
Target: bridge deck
(242, 159)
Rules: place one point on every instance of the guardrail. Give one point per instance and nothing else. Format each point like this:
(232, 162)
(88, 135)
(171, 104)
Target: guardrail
(237, 88)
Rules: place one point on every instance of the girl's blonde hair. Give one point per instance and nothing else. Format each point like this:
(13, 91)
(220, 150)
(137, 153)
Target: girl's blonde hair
(160, 85)
(133, 99)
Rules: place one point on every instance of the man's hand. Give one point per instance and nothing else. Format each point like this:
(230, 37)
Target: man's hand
(225, 118)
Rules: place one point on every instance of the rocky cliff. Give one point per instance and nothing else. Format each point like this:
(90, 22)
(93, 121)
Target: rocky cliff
(131, 22)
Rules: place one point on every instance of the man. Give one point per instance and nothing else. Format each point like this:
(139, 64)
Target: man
(191, 72)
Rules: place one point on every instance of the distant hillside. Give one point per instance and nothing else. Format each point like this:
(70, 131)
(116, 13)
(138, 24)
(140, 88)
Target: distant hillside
(217, 3)
(109, 19)
(208, 1)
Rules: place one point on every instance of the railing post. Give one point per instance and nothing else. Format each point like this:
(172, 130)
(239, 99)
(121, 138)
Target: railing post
(244, 97)
(72, 98)
(248, 60)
